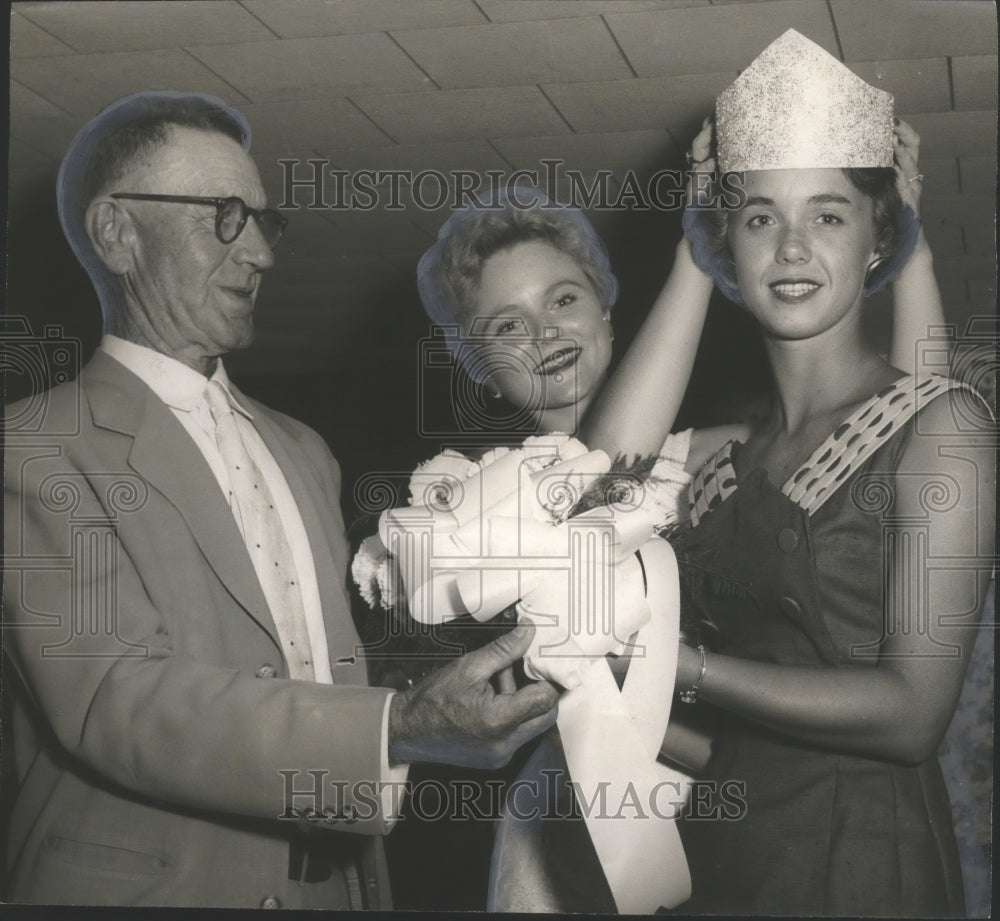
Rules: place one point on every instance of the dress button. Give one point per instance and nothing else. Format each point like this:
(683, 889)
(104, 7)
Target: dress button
(790, 607)
(788, 540)
(270, 902)
(266, 671)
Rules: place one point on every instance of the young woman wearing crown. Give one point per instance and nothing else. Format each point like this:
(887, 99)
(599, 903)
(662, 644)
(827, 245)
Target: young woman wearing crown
(855, 521)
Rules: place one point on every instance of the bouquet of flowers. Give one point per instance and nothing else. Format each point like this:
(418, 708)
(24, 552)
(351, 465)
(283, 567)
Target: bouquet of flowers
(549, 532)
(495, 531)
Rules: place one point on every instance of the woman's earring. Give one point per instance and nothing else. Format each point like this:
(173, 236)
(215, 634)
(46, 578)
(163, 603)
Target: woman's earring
(611, 329)
(875, 264)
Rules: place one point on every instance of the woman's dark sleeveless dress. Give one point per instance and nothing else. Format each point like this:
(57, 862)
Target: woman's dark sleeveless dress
(822, 832)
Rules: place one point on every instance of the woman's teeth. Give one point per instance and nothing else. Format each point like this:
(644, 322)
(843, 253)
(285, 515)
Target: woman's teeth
(794, 289)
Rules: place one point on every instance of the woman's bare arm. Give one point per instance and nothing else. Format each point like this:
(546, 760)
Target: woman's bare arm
(638, 405)
(916, 298)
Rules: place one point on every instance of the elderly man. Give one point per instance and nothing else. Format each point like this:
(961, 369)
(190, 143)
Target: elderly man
(192, 726)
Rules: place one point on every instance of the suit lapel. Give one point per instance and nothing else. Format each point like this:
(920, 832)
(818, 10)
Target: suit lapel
(165, 456)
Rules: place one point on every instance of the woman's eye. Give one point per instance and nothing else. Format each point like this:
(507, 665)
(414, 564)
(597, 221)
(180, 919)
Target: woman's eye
(760, 220)
(831, 219)
(565, 300)
(511, 325)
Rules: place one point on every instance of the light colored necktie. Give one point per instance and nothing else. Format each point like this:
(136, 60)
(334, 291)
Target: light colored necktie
(254, 509)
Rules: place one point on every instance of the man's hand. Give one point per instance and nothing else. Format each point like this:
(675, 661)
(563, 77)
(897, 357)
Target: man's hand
(454, 716)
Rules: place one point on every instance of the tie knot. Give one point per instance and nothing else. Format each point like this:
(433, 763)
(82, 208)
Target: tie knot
(218, 401)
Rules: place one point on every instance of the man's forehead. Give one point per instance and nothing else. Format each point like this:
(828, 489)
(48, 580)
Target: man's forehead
(202, 162)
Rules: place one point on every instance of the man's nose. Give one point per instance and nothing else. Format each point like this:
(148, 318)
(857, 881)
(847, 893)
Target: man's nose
(251, 247)
(793, 247)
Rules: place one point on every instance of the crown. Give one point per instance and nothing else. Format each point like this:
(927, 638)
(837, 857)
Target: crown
(798, 107)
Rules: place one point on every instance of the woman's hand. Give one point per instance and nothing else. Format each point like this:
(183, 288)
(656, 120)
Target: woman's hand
(909, 179)
(700, 160)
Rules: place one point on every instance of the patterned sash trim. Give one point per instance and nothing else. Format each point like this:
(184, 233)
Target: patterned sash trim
(861, 435)
(831, 464)
(712, 483)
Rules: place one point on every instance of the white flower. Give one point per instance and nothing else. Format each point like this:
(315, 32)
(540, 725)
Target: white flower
(492, 456)
(369, 569)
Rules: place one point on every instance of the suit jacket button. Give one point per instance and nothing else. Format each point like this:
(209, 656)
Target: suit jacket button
(270, 902)
(790, 607)
(788, 540)
(267, 671)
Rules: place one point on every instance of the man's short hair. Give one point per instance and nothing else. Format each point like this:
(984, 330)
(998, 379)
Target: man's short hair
(116, 141)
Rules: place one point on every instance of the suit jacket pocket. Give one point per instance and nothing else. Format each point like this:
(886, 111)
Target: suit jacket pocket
(103, 856)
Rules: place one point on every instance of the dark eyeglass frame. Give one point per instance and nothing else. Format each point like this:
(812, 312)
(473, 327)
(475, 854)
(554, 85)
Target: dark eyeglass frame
(272, 218)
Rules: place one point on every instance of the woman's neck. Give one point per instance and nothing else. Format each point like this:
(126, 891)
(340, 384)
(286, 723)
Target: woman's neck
(816, 377)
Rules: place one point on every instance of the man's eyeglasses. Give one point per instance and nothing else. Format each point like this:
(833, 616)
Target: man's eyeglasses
(230, 215)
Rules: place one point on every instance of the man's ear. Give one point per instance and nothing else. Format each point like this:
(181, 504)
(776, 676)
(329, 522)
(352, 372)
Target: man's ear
(111, 233)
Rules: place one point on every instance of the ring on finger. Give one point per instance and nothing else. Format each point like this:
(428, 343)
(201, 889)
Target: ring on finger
(918, 178)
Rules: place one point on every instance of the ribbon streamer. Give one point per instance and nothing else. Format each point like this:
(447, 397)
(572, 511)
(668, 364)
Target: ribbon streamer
(578, 580)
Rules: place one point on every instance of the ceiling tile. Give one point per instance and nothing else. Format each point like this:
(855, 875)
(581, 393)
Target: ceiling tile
(137, 25)
(980, 239)
(975, 80)
(310, 68)
(83, 84)
(983, 268)
(462, 114)
(51, 136)
(296, 19)
(925, 28)
(956, 134)
(310, 127)
(978, 174)
(29, 104)
(983, 291)
(514, 10)
(917, 85)
(940, 174)
(28, 40)
(715, 39)
(567, 50)
(958, 208)
(461, 155)
(623, 105)
(21, 156)
(616, 152)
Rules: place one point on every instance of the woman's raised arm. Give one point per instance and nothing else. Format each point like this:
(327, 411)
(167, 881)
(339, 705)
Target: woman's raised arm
(636, 409)
(916, 299)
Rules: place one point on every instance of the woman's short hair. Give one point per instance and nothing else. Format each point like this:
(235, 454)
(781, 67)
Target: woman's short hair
(450, 272)
(896, 230)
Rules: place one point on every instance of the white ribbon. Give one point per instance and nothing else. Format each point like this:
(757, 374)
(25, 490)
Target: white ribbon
(494, 544)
